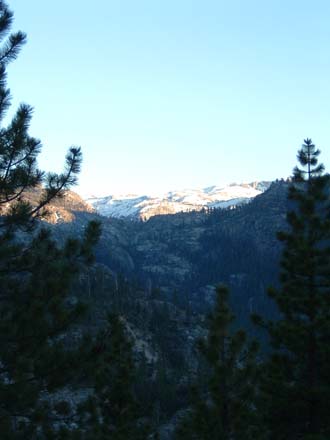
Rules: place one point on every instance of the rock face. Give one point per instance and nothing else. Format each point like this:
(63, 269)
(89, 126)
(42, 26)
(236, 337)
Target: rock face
(144, 207)
(60, 210)
(63, 210)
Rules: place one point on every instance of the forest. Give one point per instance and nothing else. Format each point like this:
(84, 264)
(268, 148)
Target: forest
(94, 347)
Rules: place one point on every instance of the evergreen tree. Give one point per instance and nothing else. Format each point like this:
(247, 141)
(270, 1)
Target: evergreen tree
(113, 412)
(296, 384)
(36, 353)
(35, 272)
(225, 409)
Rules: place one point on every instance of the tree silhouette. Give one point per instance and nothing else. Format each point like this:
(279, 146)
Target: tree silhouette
(225, 409)
(296, 384)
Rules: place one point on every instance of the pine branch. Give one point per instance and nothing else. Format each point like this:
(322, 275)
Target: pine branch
(58, 183)
(12, 47)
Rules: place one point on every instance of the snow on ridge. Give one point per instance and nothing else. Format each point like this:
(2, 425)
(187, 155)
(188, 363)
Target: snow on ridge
(144, 206)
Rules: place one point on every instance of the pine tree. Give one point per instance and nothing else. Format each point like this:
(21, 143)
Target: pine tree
(296, 385)
(113, 412)
(225, 409)
(35, 272)
(36, 353)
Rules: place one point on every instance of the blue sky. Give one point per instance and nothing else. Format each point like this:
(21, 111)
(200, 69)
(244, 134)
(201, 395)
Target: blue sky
(169, 94)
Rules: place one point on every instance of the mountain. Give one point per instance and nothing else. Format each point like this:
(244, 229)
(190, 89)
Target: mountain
(159, 275)
(144, 206)
(190, 251)
(187, 253)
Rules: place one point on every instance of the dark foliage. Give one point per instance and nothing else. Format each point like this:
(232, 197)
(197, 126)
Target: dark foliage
(296, 383)
(225, 409)
(112, 411)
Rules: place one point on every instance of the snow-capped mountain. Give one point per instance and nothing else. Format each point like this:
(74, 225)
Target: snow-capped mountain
(137, 206)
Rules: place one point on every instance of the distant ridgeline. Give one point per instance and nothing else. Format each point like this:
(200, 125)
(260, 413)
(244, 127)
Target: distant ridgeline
(144, 207)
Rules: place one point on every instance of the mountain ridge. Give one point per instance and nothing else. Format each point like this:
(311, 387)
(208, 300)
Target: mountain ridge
(143, 207)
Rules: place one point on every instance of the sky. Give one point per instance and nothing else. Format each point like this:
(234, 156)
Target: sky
(172, 94)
